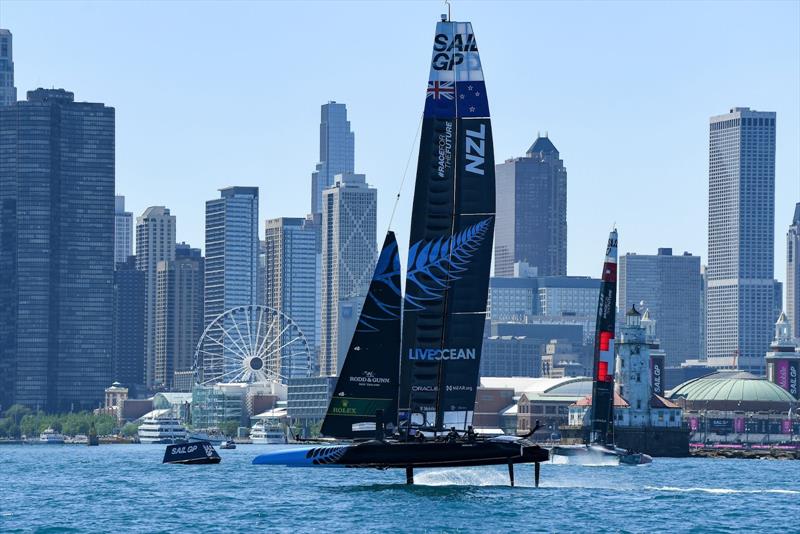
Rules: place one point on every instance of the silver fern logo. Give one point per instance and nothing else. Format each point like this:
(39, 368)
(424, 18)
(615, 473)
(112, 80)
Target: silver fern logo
(325, 455)
(387, 272)
(434, 265)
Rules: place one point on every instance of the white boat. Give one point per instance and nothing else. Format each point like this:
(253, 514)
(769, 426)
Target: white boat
(52, 437)
(80, 439)
(164, 429)
(268, 433)
(212, 435)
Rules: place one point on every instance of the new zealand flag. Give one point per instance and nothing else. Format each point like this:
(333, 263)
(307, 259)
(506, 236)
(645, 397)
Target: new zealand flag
(447, 100)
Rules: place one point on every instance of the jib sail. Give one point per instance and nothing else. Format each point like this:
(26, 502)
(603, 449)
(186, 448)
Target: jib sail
(603, 384)
(450, 247)
(368, 383)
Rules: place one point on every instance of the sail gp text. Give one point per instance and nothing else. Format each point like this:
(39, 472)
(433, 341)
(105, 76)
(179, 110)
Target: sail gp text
(451, 53)
(441, 354)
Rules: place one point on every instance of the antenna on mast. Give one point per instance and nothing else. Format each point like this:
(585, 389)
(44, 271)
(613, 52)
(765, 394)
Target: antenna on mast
(447, 3)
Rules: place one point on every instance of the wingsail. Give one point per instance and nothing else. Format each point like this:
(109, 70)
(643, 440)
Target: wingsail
(604, 357)
(368, 383)
(450, 247)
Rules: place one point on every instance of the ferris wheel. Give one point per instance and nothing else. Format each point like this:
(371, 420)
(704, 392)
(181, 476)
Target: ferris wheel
(249, 344)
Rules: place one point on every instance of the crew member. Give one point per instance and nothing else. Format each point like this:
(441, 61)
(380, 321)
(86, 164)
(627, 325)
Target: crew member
(452, 436)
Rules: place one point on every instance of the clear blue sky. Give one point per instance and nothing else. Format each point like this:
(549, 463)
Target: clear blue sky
(211, 94)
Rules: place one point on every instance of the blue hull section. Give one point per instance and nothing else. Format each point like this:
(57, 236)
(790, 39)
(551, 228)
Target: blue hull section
(303, 457)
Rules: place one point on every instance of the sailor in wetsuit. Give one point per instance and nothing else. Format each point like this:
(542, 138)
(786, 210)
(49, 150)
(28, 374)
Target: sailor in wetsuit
(452, 436)
(471, 436)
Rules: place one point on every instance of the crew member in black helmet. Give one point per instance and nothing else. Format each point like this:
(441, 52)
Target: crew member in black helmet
(452, 436)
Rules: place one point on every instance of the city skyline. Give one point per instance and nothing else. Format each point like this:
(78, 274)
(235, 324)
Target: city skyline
(224, 150)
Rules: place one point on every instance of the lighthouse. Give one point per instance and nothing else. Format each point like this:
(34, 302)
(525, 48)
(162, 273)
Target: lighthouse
(633, 370)
(783, 360)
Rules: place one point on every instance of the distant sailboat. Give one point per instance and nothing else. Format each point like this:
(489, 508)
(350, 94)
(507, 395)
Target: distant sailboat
(601, 414)
(401, 393)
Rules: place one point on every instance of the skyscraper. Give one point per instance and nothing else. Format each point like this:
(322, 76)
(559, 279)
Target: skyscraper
(231, 266)
(291, 274)
(155, 242)
(668, 288)
(741, 219)
(123, 231)
(349, 212)
(531, 223)
(56, 251)
(179, 313)
(128, 347)
(8, 93)
(793, 273)
(336, 151)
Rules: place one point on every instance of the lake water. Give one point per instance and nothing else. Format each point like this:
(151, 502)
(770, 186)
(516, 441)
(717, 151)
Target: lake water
(51, 488)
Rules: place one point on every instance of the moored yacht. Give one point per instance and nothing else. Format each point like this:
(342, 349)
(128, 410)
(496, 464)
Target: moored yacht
(161, 429)
(267, 433)
(51, 437)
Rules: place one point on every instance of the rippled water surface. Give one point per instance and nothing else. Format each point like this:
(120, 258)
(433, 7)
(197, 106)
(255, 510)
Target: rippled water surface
(127, 489)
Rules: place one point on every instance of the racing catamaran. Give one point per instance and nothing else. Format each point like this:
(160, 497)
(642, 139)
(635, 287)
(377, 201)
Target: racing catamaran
(600, 443)
(406, 394)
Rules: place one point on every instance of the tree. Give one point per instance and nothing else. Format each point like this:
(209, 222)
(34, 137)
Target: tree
(29, 425)
(229, 428)
(104, 424)
(8, 428)
(129, 430)
(16, 412)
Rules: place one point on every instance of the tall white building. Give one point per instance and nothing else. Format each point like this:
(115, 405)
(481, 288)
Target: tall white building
(290, 279)
(349, 211)
(155, 242)
(793, 274)
(741, 219)
(123, 231)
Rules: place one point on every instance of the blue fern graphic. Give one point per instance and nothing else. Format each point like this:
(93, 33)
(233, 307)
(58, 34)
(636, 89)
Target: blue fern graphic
(432, 266)
(325, 455)
(385, 271)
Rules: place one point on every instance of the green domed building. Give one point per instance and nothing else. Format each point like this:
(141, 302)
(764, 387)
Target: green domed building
(734, 406)
(734, 391)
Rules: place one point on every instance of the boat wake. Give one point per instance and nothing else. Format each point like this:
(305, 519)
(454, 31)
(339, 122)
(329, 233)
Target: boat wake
(722, 491)
(459, 477)
(593, 460)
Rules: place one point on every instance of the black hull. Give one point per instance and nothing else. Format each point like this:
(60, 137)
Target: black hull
(200, 452)
(395, 454)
